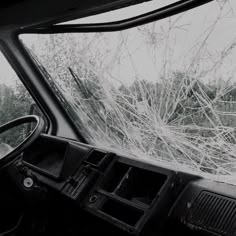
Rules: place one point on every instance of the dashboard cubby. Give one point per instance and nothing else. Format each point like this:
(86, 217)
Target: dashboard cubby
(126, 195)
(133, 184)
(58, 160)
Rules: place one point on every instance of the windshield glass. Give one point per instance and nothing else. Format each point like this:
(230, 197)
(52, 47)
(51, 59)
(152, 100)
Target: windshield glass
(164, 92)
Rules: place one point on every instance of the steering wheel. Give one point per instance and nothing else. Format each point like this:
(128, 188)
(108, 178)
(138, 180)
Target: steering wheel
(11, 156)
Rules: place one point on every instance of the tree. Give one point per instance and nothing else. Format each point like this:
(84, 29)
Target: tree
(14, 103)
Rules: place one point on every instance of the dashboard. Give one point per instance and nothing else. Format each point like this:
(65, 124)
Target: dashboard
(130, 195)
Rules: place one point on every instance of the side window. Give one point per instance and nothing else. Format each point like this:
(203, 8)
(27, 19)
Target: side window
(15, 102)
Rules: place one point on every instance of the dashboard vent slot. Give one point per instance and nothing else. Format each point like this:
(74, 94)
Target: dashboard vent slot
(214, 213)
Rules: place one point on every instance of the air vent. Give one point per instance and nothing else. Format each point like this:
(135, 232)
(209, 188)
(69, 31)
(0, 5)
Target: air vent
(214, 213)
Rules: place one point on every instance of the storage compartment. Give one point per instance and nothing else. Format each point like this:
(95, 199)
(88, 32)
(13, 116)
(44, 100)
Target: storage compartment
(114, 177)
(54, 157)
(122, 212)
(134, 184)
(141, 186)
(96, 157)
(129, 194)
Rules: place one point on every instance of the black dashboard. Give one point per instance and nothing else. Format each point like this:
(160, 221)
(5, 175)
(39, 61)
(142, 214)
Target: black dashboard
(128, 194)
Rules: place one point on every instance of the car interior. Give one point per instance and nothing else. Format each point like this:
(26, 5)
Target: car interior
(56, 183)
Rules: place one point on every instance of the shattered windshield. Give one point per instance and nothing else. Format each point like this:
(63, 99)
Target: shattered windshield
(164, 92)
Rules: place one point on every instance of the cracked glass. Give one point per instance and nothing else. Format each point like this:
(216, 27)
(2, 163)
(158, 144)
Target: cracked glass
(163, 93)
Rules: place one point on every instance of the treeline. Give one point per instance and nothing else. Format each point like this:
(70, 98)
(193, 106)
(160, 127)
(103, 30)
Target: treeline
(180, 101)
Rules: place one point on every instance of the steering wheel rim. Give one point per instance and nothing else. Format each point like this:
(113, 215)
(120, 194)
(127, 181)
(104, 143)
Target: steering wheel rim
(12, 156)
